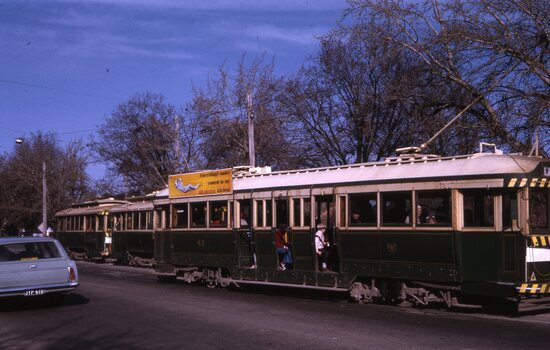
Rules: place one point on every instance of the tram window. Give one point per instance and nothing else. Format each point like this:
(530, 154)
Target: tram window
(89, 223)
(396, 208)
(433, 208)
(296, 212)
(244, 215)
(180, 215)
(120, 222)
(128, 221)
(135, 221)
(101, 223)
(538, 208)
(160, 219)
(148, 220)
(478, 209)
(307, 211)
(218, 214)
(142, 219)
(198, 214)
(362, 209)
(281, 212)
(510, 209)
(268, 213)
(260, 213)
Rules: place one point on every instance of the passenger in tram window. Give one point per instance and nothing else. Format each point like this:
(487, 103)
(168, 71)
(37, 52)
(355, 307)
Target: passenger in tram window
(321, 246)
(422, 215)
(244, 219)
(356, 218)
(282, 246)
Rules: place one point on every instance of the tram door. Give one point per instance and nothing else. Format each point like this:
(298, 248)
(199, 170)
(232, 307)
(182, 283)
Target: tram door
(325, 214)
(244, 233)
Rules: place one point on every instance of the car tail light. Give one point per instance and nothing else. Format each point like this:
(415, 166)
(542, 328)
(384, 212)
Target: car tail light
(72, 274)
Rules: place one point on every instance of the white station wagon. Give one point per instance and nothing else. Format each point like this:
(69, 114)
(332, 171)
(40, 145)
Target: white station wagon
(32, 266)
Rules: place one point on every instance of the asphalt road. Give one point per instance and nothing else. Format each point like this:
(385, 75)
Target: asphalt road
(126, 308)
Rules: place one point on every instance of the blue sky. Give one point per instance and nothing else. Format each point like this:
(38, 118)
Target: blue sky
(66, 64)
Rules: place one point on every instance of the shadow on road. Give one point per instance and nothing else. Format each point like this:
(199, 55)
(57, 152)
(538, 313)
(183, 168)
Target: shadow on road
(13, 304)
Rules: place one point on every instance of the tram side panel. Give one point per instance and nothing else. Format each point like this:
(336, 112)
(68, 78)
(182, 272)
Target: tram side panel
(202, 249)
(423, 256)
(128, 244)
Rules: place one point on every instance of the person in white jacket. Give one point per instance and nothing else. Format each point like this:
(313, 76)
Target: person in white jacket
(321, 247)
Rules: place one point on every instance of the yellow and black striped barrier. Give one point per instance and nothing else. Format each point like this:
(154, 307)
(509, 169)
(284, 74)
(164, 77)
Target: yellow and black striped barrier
(534, 288)
(528, 182)
(538, 241)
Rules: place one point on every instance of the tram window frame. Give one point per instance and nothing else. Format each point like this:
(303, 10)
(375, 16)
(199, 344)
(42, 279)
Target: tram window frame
(213, 208)
(262, 212)
(541, 195)
(398, 196)
(246, 212)
(306, 208)
(142, 220)
(122, 222)
(198, 211)
(353, 200)
(149, 220)
(296, 212)
(184, 215)
(135, 221)
(259, 212)
(100, 222)
(129, 222)
(510, 209)
(440, 216)
(89, 223)
(159, 220)
(269, 213)
(487, 212)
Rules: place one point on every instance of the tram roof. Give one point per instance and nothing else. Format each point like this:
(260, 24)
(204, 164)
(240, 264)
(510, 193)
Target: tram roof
(395, 169)
(146, 205)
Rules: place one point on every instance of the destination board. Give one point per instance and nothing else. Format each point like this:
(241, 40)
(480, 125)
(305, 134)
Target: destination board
(201, 183)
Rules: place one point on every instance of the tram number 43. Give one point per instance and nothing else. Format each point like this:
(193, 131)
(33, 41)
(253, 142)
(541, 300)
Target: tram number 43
(201, 243)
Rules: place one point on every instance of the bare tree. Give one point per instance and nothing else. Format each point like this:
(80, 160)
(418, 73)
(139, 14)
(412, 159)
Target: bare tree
(362, 97)
(221, 109)
(143, 141)
(492, 51)
(21, 185)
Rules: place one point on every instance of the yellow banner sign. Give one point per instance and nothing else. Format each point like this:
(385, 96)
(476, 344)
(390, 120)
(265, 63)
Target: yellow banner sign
(201, 184)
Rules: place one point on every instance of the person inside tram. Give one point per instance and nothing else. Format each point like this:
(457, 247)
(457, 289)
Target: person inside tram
(321, 246)
(282, 246)
(244, 220)
(356, 218)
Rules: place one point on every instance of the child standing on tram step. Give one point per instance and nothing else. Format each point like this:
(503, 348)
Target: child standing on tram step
(321, 247)
(283, 250)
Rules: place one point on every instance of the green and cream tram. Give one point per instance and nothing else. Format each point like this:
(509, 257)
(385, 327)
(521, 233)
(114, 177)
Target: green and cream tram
(468, 229)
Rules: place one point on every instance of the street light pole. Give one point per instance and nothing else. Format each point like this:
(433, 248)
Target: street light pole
(44, 201)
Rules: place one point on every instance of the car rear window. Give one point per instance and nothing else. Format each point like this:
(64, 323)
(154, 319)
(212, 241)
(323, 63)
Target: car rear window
(28, 251)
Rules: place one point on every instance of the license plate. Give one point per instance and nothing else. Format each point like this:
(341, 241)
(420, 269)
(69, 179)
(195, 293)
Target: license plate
(33, 292)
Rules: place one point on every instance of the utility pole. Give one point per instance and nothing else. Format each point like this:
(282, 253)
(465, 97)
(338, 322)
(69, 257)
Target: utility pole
(177, 144)
(250, 113)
